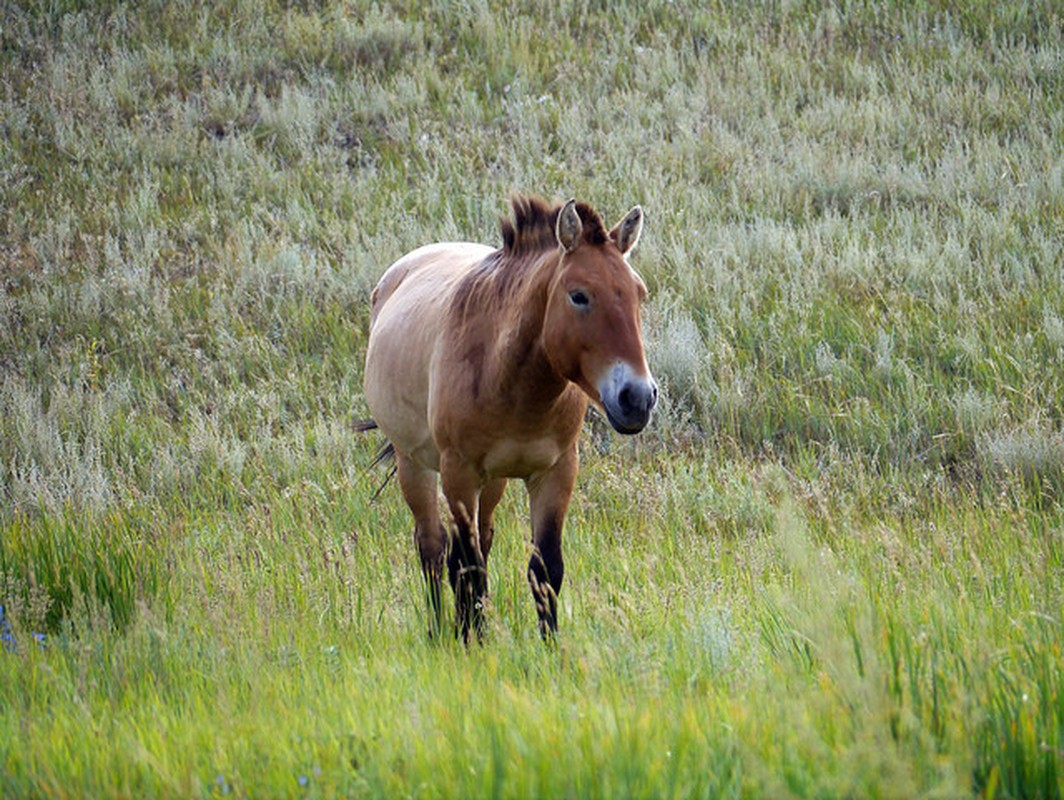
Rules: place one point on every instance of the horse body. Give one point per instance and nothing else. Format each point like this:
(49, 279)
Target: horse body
(480, 367)
(479, 398)
(409, 307)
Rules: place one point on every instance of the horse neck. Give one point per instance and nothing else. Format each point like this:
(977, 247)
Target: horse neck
(520, 353)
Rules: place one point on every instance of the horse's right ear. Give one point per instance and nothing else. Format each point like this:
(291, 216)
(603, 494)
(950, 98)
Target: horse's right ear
(569, 227)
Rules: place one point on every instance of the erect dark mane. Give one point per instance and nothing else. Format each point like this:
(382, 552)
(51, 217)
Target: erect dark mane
(500, 276)
(532, 229)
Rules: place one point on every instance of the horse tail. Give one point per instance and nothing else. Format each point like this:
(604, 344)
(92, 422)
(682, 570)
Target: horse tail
(385, 454)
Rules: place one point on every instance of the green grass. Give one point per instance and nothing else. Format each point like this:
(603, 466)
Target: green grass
(832, 567)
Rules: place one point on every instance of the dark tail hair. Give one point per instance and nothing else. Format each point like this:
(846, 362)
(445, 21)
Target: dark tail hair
(385, 454)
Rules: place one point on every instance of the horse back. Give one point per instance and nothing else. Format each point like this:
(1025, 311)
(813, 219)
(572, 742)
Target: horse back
(430, 271)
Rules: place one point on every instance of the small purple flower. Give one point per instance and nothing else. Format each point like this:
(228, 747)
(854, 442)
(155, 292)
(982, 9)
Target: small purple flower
(6, 636)
(303, 780)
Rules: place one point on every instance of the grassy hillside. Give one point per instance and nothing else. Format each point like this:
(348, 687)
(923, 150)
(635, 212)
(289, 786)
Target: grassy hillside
(832, 567)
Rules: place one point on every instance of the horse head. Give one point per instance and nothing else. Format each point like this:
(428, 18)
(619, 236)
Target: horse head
(592, 333)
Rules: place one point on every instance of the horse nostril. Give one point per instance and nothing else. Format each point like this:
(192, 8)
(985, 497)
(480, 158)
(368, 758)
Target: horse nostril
(637, 397)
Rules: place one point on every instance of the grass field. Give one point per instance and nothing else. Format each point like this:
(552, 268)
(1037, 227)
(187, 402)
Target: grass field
(833, 566)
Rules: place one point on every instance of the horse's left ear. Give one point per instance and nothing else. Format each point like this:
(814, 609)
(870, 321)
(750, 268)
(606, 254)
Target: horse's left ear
(625, 233)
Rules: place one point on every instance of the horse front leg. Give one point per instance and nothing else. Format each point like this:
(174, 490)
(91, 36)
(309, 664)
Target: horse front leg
(466, 565)
(549, 494)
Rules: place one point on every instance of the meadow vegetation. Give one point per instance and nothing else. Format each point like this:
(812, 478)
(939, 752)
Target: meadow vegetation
(832, 567)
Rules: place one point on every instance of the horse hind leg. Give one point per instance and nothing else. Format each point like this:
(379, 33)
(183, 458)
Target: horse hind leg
(489, 499)
(430, 536)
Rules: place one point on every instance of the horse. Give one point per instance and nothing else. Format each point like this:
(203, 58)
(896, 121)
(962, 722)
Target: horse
(480, 367)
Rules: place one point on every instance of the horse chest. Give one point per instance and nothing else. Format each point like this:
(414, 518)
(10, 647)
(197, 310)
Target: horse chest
(520, 458)
(512, 439)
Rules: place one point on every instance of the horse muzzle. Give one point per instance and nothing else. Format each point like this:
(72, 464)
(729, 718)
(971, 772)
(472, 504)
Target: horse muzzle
(627, 398)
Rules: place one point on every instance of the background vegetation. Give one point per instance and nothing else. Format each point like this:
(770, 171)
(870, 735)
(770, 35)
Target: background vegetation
(834, 567)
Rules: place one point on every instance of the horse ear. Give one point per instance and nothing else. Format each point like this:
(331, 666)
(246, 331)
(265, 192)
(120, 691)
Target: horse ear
(625, 233)
(569, 227)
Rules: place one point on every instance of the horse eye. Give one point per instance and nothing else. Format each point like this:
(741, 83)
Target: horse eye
(579, 298)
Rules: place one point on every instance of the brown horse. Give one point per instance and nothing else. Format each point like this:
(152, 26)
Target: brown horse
(480, 367)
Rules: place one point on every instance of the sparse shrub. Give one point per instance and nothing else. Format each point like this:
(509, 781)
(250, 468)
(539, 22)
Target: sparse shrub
(975, 412)
(55, 455)
(1053, 330)
(288, 124)
(718, 500)
(1033, 452)
(24, 605)
(681, 361)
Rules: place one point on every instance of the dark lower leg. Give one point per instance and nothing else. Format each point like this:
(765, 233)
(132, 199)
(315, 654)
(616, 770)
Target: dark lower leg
(419, 491)
(468, 573)
(545, 573)
(549, 495)
(469, 580)
(433, 551)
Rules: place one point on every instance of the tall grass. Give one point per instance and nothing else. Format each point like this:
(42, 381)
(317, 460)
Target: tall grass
(831, 568)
